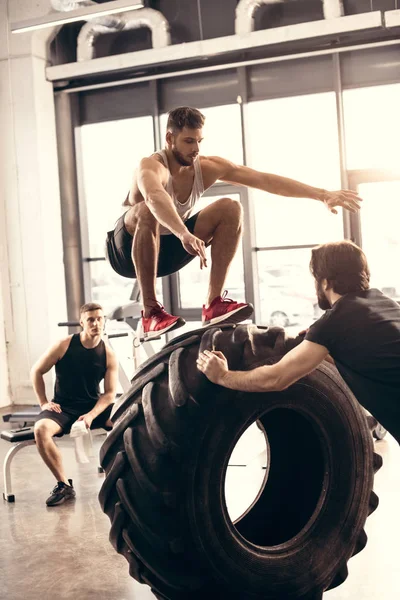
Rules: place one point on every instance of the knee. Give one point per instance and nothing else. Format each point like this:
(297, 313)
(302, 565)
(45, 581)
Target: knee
(232, 209)
(42, 432)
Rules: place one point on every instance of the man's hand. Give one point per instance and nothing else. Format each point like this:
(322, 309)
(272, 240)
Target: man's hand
(87, 418)
(51, 406)
(213, 364)
(195, 245)
(344, 198)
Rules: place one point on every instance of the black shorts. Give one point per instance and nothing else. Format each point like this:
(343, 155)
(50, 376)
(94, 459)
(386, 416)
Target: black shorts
(68, 416)
(172, 256)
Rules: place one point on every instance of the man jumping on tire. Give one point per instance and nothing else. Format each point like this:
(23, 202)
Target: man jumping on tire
(156, 236)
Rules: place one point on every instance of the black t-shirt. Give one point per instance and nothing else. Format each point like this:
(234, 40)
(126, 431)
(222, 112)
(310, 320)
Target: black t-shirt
(78, 374)
(362, 333)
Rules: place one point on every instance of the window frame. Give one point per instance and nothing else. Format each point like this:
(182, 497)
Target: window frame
(157, 103)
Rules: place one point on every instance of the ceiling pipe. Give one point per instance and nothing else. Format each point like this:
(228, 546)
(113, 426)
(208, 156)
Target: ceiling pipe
(144, 17)
(333, 9)
(244, 21)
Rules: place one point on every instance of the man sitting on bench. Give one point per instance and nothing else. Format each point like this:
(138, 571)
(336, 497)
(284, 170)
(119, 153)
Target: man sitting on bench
(81, 361)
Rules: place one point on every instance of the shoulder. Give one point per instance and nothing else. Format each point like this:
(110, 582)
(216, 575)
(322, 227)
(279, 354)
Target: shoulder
(62, 346)
(65, 341)
(215, 167)
(153, 162)
(320, 330)
(213, 162)
(110, 356)
(327, 318)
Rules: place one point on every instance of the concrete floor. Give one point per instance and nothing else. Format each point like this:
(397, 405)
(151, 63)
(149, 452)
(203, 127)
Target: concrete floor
(63, 552)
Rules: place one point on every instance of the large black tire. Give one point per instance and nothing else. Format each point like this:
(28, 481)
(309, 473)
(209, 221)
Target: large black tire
(165, 462)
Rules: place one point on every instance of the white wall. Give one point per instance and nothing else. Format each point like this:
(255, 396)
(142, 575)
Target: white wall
(4, 302)
(31, 255)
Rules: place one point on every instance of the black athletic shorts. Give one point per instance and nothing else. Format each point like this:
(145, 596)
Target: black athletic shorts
(172, 256)
(68, 416)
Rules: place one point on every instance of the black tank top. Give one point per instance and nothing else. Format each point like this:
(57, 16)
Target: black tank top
(78, 374)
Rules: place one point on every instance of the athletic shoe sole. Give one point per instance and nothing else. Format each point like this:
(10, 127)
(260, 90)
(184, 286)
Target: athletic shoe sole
(61, 501)
(234, 316)
(154, 335)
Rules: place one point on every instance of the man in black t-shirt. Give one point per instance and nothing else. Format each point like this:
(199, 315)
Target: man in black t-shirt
(360, 330)
(81, 362)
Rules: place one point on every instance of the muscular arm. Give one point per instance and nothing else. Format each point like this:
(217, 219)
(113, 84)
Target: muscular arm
(297, 363)
(162, 207)
(149, 179)
(110, 386)
(220, 168)
(44, 364)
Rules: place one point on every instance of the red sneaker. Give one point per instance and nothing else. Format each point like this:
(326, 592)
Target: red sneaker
(159, 322)
(223, 309)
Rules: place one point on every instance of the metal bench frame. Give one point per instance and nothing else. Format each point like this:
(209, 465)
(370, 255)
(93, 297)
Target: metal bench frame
(16, 447)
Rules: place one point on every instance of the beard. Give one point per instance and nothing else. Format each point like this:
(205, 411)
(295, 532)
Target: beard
(181, 159)
(323, 301)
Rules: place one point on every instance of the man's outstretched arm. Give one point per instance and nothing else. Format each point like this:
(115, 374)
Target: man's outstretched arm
(269, 378)
(282, 186)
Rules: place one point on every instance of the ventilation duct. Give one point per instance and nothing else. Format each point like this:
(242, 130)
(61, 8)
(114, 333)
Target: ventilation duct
(244, 21)
(333, 9)
(144, 17)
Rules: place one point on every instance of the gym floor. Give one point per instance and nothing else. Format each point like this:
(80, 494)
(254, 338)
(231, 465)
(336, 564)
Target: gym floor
(64, 552)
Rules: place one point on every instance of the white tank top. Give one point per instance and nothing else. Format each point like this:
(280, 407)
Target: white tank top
(184, 209)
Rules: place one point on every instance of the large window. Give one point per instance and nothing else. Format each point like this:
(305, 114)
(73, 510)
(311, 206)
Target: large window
(286, 287)
(380, 237)
(372, 133)
(110, 153)
(223, 133)
(372, 127)
(296, 138)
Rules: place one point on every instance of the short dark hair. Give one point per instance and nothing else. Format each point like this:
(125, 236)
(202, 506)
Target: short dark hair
(184, 116)
(343, 264)
(89, 306)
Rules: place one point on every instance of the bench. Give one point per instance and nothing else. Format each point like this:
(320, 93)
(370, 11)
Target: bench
(24, 418)
(20, 438)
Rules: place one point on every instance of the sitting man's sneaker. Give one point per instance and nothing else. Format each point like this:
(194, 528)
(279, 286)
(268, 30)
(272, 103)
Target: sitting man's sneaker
(225, 310)
(61, 493)
(159, 322)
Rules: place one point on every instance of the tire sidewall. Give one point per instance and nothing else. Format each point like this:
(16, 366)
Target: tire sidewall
(311, 558)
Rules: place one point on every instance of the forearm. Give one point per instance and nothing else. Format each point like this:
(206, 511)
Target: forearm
(102, 403)
(282, 186)
(39, 387)
(163, 209)
(261, 379)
